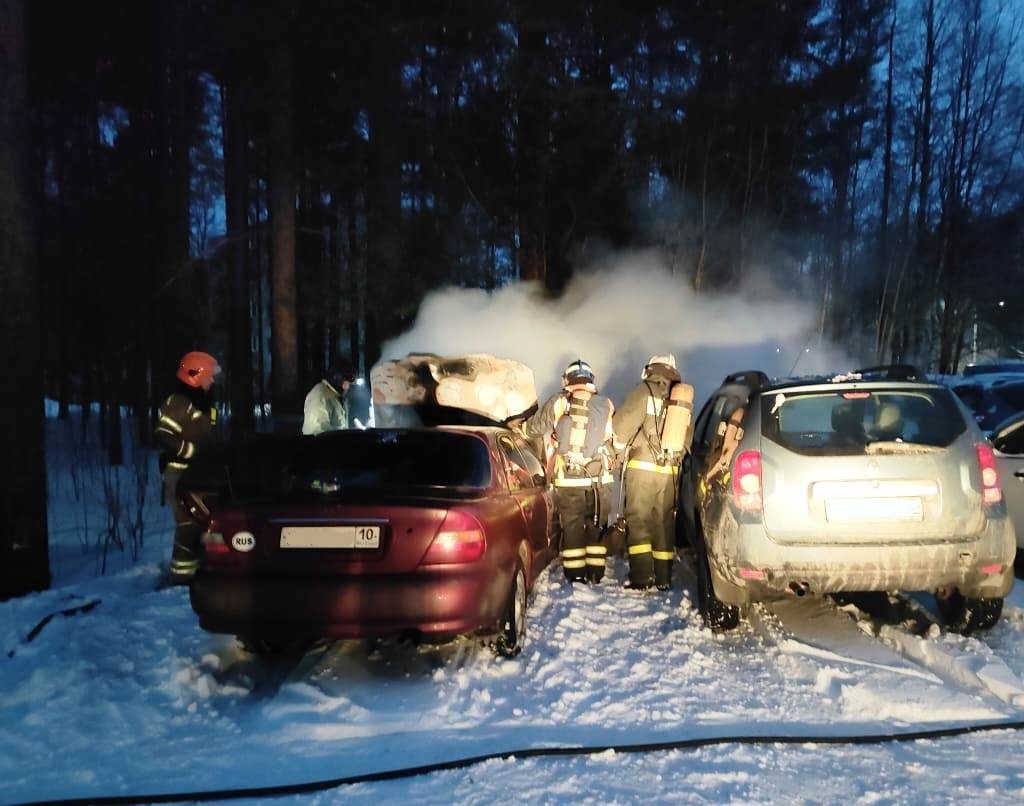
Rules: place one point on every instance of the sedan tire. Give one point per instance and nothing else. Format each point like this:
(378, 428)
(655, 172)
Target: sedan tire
(512, 625)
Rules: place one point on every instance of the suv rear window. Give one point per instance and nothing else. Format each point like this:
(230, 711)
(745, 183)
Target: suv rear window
(846, 422)
(341, 462)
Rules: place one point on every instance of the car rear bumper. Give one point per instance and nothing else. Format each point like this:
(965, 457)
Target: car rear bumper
(833, 568)
(437, 604)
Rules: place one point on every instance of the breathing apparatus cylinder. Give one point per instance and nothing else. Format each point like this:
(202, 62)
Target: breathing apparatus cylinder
(678, 413)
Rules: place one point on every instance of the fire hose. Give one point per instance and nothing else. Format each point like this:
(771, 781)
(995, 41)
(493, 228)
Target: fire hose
(532, 752)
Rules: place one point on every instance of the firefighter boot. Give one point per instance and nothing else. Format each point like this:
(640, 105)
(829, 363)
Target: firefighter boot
(185, 556)
(595, 563)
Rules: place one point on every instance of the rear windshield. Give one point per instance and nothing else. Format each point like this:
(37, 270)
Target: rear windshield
(359, 462)
(848, 421)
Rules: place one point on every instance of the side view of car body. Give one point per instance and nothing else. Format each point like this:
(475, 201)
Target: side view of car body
(1007, 439)
(991, 398)
(847, 484)
(426, 532)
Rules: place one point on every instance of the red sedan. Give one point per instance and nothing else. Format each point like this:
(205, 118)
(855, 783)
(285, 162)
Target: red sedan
(428, 532)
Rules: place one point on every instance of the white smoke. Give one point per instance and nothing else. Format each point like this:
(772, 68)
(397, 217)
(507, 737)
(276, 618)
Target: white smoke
(615, 317)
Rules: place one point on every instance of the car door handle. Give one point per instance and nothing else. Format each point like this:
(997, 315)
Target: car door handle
(1019, 474)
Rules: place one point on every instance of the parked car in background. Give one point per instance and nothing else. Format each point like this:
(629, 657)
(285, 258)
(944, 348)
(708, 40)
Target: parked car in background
(1008, 365)
(862, 482)
(991, 398)
(1008, 440)
(422, 532)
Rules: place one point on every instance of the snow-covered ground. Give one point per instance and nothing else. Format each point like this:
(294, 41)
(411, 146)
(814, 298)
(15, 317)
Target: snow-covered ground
(132, 697)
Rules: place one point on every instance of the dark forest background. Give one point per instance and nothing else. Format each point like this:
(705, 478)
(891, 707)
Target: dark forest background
(279, 183)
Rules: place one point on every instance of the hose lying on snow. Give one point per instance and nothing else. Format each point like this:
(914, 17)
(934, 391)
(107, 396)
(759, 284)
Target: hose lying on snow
(534, 752)
(68, 611)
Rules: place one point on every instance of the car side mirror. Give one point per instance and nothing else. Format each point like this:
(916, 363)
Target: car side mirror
(540, 480)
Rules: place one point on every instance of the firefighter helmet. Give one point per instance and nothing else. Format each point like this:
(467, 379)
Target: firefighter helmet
(577, 372)
(198, 369)
(659, 361)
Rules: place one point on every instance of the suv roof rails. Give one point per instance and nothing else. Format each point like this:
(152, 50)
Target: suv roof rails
(753, 378)
(892, 372)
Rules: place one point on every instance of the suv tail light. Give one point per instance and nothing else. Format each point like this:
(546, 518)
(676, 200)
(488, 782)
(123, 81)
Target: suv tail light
(746, 481)
(459, 540)
(991, 492)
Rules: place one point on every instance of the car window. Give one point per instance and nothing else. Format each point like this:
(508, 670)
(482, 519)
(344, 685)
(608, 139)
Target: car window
(846, 421)
(343, 462)
(1011, 438)
(1012, 394)
(709, 429)
(532, 463)
(517, 467)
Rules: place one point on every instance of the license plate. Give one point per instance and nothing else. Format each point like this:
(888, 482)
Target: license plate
(851, 510)
(330, 537)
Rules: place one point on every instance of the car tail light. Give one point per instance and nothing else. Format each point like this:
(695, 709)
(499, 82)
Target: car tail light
(991, 492)
(746, 481)
(459, 540)
(213, 543)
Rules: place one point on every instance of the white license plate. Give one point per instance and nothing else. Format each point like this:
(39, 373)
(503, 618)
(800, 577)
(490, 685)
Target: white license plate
(850, 510)
(330, 537)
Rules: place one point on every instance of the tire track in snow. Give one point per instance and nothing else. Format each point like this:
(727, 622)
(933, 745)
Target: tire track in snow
(863, 657)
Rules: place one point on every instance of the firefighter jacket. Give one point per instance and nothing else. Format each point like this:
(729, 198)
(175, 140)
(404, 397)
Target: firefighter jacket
(324, 410)
(186, 423)
(638, 425)
(590, 469)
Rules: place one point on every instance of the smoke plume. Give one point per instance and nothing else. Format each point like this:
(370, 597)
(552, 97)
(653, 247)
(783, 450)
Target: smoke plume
(615, 317)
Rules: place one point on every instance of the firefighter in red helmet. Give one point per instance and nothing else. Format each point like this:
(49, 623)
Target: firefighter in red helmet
(186, 422)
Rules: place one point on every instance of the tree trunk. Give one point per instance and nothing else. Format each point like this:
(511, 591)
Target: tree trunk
(24, 552)
(236, 202)
(531, 151)
(284, 336)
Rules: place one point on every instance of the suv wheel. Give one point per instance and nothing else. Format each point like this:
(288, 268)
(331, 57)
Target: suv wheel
(512, 626)
(718, 616)
(965, 614)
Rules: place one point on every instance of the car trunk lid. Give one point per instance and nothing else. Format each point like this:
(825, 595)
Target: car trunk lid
(862, 466)
(337, 538)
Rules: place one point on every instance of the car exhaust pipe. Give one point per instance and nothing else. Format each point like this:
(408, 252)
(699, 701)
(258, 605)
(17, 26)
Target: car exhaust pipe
(799, 588)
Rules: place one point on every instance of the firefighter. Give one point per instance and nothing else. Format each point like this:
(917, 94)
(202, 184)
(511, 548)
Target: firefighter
(652, 445)
(186, 422)
(579, 422)
(325, 408)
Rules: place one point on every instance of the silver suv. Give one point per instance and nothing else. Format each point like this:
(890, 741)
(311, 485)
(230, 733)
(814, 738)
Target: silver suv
(871, 481)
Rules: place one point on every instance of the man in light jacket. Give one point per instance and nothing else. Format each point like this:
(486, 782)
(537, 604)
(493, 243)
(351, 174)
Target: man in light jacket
(325, 409)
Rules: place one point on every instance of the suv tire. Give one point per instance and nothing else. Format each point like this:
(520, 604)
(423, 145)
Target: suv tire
(717, 615)
(965, 614)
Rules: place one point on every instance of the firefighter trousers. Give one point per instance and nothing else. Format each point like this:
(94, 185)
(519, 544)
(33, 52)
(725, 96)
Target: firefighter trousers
(187, 533)
(650, 526)
(583, 513)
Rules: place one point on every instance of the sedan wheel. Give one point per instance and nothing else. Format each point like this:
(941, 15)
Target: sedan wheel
(512, 634)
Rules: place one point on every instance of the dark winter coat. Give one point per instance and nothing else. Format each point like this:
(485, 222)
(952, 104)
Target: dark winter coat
(639, 421)
(186, 423)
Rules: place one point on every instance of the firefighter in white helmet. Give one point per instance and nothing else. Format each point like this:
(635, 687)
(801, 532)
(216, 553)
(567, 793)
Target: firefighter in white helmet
(579, 421)
(652, 433)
